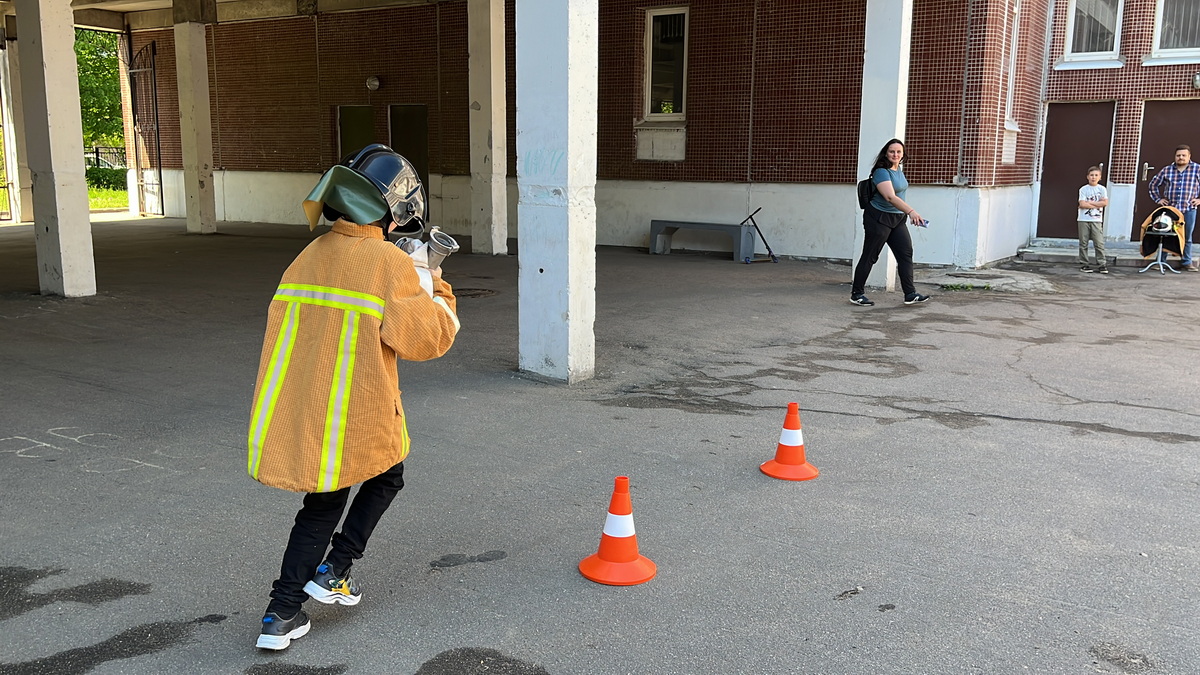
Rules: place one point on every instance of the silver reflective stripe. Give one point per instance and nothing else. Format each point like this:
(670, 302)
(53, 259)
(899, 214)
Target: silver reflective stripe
(264, 407)
(339, 398)
(332, 297)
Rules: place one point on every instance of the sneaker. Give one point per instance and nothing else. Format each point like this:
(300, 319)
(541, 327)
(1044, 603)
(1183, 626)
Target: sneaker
(915, 298)
(329, 588)
(1103, 270)
(278, 632)
(1192, 268)
(1085, 269)
(861, 300)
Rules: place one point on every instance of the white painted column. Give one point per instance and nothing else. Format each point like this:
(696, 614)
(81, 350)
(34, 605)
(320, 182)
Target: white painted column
(195, 127)
(884, 105)
(54, 140)
(489, 131)
(557, 65)
(17, 156)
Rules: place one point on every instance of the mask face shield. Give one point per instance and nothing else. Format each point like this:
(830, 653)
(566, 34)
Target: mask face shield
(406, 200)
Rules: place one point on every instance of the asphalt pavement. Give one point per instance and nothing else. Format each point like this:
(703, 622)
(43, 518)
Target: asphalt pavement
(1009, 473)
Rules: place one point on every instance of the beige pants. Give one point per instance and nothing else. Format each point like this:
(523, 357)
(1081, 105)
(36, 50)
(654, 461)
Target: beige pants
(1093, 232)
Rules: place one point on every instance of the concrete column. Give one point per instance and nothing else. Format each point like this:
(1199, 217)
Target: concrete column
(884, 104)
(17, 155)
(556, 178)
(195, 127)
(489, 146)
(54, 140)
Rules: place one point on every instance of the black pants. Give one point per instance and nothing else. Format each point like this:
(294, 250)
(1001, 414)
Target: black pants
(313, 531)
(885, 228)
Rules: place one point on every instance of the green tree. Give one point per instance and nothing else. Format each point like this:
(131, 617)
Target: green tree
(99, 87)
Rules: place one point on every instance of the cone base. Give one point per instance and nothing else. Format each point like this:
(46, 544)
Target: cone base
(601, 571)
(803, 471)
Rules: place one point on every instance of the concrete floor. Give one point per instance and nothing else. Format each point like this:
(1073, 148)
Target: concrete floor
(1009, 478)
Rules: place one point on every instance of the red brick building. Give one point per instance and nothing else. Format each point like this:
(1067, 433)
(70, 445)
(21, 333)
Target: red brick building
(769, 97)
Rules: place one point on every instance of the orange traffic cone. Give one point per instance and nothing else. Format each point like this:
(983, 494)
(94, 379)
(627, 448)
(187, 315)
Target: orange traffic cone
(789, 462)
(617, 563)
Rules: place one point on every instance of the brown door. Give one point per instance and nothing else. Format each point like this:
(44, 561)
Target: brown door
(1078, 135)
(409, 125)
(1165, 126)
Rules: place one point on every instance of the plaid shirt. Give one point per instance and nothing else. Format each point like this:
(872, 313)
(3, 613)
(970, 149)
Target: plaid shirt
(1182, 186)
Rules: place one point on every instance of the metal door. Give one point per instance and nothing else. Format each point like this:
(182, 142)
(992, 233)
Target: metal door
(1078, 135)
(147, 145)
(409, 130)
(1165, 126)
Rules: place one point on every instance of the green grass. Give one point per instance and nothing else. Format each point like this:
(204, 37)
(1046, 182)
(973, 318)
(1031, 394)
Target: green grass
(102, 198)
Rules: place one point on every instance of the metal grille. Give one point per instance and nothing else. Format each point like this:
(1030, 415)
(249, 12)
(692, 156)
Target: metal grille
(147, 146)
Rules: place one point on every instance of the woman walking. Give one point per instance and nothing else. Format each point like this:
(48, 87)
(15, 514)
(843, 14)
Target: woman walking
(884, 221)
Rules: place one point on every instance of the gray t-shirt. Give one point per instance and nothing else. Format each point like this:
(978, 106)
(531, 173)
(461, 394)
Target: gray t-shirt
(899, 184)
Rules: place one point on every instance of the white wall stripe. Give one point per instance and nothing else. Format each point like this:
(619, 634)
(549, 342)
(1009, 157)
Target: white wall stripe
(619, 526)
(791, 437)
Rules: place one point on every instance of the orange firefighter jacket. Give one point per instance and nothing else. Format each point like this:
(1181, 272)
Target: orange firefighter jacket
(326, 411)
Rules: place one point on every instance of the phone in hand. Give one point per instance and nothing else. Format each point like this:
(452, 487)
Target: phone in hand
(923, 223)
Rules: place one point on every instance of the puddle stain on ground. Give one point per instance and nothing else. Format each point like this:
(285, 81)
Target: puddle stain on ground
(137, 641)
(456, 559)
(292, 669)
(477, 661)
(15, 600)
(1128, 661)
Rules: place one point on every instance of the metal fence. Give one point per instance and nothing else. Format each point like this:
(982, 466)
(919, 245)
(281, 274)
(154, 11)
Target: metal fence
(109, 158)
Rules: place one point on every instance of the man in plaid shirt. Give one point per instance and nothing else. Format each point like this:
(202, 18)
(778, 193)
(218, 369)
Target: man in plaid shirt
(1183, 192)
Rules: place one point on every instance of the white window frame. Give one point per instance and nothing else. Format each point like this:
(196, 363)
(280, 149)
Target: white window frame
(1080, 60)
(1167, 57)
(1014, 30)
(647, 50)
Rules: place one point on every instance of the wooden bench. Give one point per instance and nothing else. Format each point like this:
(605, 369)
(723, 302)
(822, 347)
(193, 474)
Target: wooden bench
(743, 236)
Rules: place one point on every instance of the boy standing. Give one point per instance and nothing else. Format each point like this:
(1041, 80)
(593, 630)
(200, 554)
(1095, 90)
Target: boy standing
(1093, 197)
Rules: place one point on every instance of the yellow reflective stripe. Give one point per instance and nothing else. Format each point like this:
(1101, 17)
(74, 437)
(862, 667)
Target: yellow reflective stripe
(403, 437)
(334, 438)
(328, 296)
(268, 395)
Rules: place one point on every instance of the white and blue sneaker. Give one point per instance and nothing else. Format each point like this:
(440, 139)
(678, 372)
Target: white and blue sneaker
(278, 633)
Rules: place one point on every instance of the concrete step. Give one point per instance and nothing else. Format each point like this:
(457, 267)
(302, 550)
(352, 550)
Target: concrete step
(1118, 253)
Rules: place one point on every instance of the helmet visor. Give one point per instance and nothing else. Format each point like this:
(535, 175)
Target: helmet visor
(406, 200)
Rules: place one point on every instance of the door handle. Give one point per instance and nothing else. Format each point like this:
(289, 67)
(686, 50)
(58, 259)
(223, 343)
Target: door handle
(1146, 169)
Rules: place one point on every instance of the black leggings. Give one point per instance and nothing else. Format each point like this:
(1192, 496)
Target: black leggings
(314, 527)
(882, 228)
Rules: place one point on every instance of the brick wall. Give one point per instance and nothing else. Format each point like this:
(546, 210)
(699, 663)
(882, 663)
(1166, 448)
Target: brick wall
(1129, 85)
(773, 91)
(275, 85)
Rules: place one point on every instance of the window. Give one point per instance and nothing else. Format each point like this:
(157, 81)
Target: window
(1177, 29)
(666, 63)
(1094, 30)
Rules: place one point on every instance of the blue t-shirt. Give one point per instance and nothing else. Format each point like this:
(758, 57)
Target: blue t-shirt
(899, 184)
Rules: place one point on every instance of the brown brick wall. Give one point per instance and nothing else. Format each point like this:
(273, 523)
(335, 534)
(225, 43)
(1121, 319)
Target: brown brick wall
(773, 88)
(275, 85)
(1129, 85)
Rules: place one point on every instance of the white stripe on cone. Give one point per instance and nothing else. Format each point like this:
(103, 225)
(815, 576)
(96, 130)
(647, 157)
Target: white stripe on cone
(792, 437)
(619, 526)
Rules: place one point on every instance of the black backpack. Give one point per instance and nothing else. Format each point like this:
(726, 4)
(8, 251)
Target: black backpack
(866, 190)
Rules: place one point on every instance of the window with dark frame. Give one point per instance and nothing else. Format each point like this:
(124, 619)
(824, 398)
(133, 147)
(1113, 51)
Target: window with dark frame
(667, 62)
